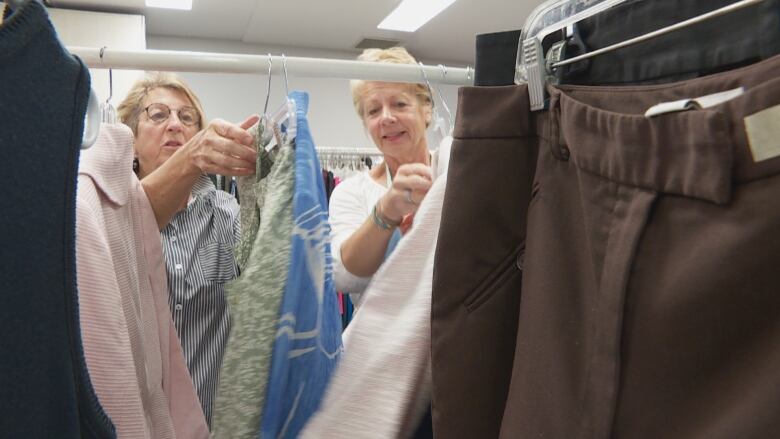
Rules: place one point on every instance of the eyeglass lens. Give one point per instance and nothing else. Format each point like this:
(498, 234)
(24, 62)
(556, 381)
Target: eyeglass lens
(159, 113)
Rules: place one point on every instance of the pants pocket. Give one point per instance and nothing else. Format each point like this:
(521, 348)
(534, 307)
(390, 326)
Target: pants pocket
(510, 266)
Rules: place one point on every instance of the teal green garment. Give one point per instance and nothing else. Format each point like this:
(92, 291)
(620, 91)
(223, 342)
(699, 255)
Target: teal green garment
(254, 298)
(252, 190)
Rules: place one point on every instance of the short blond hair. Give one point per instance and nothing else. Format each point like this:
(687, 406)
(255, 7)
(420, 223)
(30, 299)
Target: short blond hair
(393, 55)
(132, 105)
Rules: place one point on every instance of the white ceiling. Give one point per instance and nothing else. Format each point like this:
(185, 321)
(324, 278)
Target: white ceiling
(325, 24)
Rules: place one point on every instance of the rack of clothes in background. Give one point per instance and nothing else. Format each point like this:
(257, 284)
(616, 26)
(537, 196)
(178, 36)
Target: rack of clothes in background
(343, 162)
(339, 163)
(43, 358)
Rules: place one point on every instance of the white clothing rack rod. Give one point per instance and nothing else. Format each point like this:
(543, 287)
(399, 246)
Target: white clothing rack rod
(203, 62)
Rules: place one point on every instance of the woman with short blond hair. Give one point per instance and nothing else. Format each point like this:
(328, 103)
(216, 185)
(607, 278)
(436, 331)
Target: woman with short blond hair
(369, 211)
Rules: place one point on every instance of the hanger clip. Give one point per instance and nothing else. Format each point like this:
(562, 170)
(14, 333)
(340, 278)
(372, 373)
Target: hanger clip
(531, 71)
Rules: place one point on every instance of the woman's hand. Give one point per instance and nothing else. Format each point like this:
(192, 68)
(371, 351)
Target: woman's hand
(364, 250)
(410, 185)
(223, 148)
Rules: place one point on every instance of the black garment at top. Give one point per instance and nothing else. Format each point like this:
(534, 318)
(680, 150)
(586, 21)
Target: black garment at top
(496, 54)
(45, 390)
(719, 44)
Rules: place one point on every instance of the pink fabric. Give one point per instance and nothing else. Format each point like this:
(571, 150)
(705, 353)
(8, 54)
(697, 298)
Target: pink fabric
(132, 352)
(382, 386)
(186, 411)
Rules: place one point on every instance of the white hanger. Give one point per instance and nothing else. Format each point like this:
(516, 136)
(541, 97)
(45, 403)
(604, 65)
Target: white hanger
(439, 125)
(444, 101)
(91, 121)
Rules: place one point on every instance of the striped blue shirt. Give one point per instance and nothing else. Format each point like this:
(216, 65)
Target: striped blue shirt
(198, 246)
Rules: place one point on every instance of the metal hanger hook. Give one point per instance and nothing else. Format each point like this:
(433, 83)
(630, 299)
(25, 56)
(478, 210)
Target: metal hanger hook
(443, 72)
(110, 85)
(427, 82)
(441, 96)
(268, 88)
(110, 76)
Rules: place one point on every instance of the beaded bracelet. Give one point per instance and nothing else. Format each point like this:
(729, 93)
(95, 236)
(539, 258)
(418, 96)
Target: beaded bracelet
(382, 224)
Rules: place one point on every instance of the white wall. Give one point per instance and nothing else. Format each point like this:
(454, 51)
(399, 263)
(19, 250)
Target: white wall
(233, 97)
(98, 29)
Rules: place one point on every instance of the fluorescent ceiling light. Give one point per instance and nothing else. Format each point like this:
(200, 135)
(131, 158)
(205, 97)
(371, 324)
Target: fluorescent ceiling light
(411, 14)
(185, 5)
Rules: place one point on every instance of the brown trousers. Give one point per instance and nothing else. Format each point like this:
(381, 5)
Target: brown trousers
(651, 285)
(476, 282)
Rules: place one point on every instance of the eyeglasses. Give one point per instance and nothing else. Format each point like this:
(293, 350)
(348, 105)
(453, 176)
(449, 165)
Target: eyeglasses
(159, 113)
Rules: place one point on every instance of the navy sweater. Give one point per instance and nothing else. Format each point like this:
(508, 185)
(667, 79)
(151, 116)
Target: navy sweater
(45, 390)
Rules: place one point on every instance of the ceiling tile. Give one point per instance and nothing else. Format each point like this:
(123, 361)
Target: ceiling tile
(333, 24)
(208, 19)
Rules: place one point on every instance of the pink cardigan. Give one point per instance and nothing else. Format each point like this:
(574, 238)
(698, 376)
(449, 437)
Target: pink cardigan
(132, 350)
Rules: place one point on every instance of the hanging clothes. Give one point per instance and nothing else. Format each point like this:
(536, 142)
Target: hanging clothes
(496, 55)
(308, 339)
(331, 181)
(382, 386)
(476, 287)
(393, 328)
(344, 162)
(45, 386)
(627, 325)
(131, 346)
(720, 44)
(709, 47)
(263, 255)
(650, 301)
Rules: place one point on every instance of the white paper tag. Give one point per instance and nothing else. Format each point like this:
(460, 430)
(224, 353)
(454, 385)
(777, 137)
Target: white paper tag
(669, 107)
(694, 103)
(719, 98)
(763, 133)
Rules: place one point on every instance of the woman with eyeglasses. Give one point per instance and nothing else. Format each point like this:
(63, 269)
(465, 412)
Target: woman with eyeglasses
(175, 149)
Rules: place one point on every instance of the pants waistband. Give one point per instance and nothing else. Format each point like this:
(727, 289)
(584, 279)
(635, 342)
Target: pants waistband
(493, 112)
(697, 153)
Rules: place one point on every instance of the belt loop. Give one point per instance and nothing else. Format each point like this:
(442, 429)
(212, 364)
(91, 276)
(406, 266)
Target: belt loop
(557, 147)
